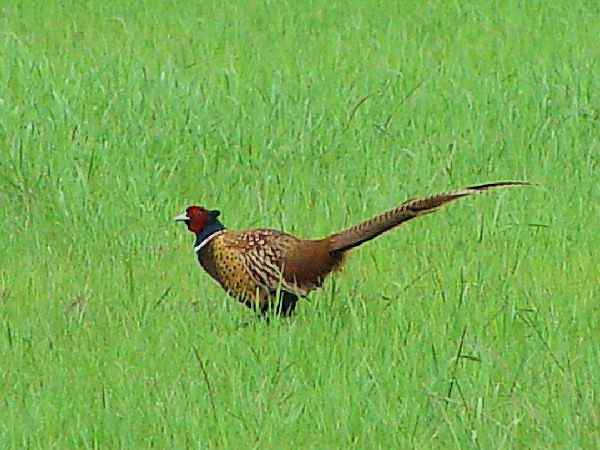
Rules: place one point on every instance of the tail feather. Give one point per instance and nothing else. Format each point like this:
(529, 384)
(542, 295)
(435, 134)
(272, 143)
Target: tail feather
(373, 227)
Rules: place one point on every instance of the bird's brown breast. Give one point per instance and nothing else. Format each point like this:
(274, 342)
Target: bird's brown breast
(222, 263)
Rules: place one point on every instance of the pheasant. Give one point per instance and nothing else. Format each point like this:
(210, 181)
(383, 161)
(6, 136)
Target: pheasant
(270, 270)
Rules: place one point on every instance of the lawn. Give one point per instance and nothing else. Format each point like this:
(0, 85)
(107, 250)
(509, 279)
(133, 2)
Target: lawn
(475, 327)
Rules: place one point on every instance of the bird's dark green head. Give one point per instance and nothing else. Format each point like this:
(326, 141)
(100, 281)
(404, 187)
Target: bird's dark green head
(197, 218)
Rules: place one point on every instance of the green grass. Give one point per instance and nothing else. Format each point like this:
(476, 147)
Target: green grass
(476, 327)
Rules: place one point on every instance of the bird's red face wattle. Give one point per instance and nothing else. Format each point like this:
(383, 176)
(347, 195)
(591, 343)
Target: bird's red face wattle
(195, 218)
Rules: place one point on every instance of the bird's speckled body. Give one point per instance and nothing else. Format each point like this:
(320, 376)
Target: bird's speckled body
(245, 263)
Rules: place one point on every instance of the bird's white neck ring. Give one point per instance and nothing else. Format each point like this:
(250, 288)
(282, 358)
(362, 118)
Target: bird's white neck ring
(199, 247)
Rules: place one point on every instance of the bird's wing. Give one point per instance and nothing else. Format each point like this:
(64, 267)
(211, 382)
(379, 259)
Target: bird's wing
(262, 253)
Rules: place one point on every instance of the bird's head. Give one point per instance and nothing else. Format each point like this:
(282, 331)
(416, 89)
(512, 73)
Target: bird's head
(197, 218)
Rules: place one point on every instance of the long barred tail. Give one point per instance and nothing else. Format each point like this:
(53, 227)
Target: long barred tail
(373, 227)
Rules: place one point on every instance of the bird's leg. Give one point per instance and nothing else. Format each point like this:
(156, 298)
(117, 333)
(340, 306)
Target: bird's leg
(287, 303)
(284, 305)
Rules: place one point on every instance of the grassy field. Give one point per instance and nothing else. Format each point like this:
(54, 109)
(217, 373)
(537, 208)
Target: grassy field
(476, 327)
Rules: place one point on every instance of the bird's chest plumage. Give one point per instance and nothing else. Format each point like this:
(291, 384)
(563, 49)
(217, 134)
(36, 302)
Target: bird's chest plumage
(224, 263)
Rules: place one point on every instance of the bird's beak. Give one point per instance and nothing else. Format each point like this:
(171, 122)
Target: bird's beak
(182, 218)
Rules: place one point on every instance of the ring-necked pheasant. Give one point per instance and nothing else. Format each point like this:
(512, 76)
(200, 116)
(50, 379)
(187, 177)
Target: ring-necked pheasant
(266, 268)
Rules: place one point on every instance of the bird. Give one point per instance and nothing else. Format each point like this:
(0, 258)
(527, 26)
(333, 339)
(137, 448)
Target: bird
(270, 270)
